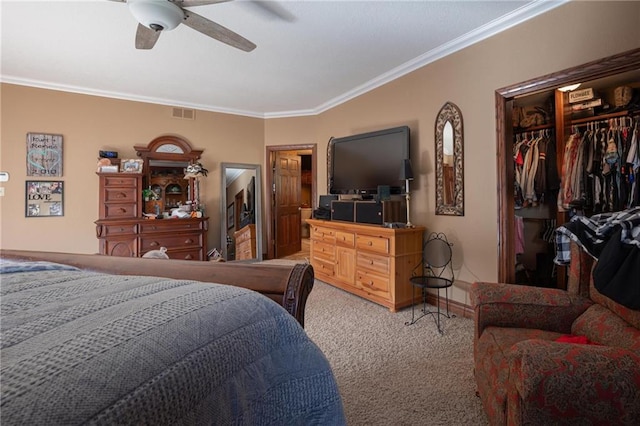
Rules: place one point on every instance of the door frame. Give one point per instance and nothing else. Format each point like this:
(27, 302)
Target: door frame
(269, 184)
(605, 67)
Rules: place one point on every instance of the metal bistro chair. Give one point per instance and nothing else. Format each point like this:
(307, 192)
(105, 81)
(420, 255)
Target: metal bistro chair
(435, 271)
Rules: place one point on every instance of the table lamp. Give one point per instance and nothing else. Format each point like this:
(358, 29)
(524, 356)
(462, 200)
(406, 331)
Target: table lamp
(406, 174)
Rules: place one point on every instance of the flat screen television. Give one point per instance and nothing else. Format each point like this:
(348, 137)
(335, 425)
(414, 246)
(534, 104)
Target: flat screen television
(360, 163)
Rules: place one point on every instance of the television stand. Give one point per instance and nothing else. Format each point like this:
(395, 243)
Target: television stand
(369, 261)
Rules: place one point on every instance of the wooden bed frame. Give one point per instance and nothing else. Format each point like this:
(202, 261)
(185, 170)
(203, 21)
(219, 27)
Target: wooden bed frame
(289, 285)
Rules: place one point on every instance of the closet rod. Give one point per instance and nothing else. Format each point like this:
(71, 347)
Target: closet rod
(602, 117)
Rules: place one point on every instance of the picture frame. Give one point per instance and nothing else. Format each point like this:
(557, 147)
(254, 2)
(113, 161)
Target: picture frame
(109, 169)
(231, 215)
(44, 155)
(44, 198)
(131, 165)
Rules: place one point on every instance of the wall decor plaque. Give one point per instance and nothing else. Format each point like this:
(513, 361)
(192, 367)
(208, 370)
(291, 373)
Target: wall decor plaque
(44, 198)
(44, 155)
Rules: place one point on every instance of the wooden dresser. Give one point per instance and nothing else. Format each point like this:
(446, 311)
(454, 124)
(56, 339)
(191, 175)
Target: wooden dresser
(367, 260)
(122, 231)
(245, 240)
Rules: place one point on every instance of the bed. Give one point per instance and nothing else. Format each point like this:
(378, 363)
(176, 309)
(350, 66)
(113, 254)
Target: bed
(90, 339)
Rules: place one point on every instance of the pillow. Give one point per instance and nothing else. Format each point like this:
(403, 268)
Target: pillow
(157, 254)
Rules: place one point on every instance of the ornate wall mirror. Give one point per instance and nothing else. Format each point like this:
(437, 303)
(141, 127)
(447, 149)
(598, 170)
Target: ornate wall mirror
(449, 161)
(165, 160)
(241, 211)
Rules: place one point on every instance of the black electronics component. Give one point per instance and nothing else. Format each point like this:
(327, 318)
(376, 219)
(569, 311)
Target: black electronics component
(108, 154)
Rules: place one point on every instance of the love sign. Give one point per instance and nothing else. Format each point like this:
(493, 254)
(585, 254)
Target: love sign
(44, 155)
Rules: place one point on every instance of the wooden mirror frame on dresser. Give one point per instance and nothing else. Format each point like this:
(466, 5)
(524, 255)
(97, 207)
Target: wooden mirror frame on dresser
(122, 229)
(504, 97)
(170, 149)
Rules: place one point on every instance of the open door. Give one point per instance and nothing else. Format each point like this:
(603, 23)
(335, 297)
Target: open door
(287, 184)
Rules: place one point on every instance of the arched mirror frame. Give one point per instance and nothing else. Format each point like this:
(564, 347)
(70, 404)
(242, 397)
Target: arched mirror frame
(450, 113)
(257, 209)
(171, 149)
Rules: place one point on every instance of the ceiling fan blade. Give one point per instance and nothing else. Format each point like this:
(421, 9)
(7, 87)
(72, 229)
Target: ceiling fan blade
(146, 37)
(190, 3)
(217, 31)
(272, 9)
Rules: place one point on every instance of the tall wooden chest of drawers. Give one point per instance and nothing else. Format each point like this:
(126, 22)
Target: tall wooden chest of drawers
(245, 242)
(122, 230)
(367, 260)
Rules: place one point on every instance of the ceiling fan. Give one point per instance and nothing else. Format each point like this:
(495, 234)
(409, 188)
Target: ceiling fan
(156, 16)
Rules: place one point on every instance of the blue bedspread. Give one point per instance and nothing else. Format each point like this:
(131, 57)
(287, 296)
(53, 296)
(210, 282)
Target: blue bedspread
(88, 348)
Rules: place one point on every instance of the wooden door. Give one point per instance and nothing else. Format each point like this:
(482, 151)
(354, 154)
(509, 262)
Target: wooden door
(287, 179)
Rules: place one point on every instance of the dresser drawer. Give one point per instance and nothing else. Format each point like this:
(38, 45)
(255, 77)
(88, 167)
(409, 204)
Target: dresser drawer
(124, 229)
(192, 254)
(120, 211)
(170, 225)
(373, 283)
(120, 195)
(245, 250)
(345, 239)
(119, 180)
(373, 262)
(154, 242)
(376, 244)
(324, 251)
(247, 233)
(322, 266)
(319, 233)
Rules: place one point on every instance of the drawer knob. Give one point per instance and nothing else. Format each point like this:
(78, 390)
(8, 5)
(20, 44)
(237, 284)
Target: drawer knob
(370, 243)
(188, 241)
(188, 257)
(121, 229)
(154, 244)
(122, 195)
(123, 210)
(371, 262)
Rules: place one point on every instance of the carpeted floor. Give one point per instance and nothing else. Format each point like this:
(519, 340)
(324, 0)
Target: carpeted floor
(392, 374)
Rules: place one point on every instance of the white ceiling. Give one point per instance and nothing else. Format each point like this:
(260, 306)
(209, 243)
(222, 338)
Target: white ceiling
(330, 52)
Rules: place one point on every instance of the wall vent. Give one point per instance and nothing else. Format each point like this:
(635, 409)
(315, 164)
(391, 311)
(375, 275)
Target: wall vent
(183, 113)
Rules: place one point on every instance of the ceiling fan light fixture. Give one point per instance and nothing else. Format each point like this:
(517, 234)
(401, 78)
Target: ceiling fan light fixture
(159, 15)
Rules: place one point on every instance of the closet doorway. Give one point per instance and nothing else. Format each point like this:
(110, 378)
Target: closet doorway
(607, 67)
(291, 187)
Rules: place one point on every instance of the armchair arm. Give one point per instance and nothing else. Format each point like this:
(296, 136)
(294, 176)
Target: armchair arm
(582, 384)
(510, 305)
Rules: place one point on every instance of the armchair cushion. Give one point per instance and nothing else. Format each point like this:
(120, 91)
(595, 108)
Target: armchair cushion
(580, 384)
(600, 325)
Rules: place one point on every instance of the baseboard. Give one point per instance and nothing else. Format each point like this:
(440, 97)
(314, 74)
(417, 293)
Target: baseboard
(457, 308)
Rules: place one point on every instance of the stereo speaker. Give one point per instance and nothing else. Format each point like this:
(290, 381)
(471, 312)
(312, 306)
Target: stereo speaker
(379, 213)
(325, 201)
(343, 210)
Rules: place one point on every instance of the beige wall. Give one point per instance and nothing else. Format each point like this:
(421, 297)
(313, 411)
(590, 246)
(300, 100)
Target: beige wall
(572, 34)
(557, 40)
(89, 124)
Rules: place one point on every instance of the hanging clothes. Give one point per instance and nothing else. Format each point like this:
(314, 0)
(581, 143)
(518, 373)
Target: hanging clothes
(600, 167)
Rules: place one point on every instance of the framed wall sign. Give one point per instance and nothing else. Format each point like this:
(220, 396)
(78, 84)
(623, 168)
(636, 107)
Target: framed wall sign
(44, 198)
(44, 155)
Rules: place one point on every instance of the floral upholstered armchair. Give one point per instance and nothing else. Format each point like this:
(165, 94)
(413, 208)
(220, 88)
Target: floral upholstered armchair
(548, 356)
